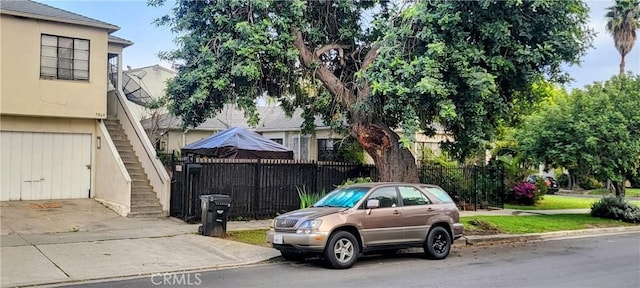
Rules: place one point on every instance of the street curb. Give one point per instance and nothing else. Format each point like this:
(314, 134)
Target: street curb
(142, 275)
(505, 238)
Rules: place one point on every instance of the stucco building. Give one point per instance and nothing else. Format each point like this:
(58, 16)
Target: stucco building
(65, 129)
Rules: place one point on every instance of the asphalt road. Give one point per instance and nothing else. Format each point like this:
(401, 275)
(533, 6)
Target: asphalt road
(603, 261)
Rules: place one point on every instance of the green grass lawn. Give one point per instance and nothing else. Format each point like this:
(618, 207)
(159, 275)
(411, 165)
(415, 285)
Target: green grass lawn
(534, 223)
(629, 192)
(632, 192)
(553, 202)
(255, 237)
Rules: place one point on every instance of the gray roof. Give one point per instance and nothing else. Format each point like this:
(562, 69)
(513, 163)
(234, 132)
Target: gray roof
(156, 66)
(119, 40)
(271, 119)
(32, 9)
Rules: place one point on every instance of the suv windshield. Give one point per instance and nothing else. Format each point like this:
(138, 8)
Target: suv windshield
(342, 197)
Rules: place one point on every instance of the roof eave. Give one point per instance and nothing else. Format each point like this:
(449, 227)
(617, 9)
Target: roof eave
(124, 43)
(109, 28)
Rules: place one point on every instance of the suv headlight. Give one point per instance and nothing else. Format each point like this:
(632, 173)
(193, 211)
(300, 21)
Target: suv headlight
(309, 226)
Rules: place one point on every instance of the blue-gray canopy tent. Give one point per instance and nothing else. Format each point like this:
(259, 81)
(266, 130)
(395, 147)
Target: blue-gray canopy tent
(238, 143)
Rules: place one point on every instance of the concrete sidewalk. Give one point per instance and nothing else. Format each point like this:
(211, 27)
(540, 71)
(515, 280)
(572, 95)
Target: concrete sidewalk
(65, 241)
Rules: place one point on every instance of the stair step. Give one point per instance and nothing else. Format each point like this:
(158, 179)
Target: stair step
(128, 153)
(129, 159)
(139, 178)
(145, 214)
(145, 203)
(143, 196)
(122, 144)
(149, 208)
(114, 127)
(136, 171)
(132, 165)
(143, 187)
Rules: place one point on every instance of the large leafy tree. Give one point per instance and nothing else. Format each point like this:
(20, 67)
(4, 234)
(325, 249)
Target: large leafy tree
(594, 131)
(623, 19)
(373, 67)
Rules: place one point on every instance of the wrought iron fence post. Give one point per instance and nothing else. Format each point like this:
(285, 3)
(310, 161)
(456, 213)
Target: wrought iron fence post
(474, 173)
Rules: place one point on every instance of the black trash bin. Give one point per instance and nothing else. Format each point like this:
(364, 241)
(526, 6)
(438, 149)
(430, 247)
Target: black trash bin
(215, 211)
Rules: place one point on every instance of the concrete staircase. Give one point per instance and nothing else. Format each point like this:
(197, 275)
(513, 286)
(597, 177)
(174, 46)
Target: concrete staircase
(144, 202)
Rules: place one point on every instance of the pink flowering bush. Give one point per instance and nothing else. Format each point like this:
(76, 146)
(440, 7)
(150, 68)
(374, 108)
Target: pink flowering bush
(525, 193)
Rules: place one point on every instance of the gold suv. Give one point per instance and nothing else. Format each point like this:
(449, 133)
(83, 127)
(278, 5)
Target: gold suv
(369, 217)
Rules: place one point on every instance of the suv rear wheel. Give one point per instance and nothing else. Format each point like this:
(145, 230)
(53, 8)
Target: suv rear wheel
(342, 250)
(438, 243)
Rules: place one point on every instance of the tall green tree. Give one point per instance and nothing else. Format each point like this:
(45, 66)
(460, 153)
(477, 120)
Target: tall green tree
(595, 131)
(623, 19)
(372, 67)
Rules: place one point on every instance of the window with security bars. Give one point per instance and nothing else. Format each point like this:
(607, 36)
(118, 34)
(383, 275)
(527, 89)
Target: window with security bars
(326, 151)
(64, 58)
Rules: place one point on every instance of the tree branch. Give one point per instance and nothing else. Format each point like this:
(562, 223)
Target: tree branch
(335, 46)
(371, 55)
(328, 47)
(330, 81)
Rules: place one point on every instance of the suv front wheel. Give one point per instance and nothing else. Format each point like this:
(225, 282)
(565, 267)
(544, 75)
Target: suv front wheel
(342, 250)
(438, 243)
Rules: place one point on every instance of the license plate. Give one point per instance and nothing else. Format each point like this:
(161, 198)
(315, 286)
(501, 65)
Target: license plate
(277, 239)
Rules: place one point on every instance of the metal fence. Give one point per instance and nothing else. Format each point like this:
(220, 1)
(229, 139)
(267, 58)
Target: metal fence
(472, 188)
(258, 188)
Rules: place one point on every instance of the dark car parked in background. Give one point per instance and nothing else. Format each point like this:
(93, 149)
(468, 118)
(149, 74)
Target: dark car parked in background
(552, 184)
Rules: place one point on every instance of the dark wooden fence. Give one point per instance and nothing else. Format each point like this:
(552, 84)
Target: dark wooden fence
(258, 188)
(265, 188)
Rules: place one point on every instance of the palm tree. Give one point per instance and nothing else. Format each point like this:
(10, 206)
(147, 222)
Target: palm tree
(623, 21)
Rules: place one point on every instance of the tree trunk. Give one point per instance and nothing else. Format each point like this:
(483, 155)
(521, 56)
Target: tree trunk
(609, 186)
(572, 180)
(394, 163)
(622, 65)
(619, 188)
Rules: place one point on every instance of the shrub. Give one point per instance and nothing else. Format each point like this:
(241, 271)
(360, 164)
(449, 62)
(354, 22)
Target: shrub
(355, 181)
(541, 188)
(307, 199)
(591, 183)
(563, 180)
(616, 208)
(524, 193)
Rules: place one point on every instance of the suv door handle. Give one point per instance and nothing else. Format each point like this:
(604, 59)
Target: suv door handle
(430, 209)
(396, 212)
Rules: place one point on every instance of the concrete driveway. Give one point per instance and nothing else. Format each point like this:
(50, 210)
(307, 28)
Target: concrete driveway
(48, 242)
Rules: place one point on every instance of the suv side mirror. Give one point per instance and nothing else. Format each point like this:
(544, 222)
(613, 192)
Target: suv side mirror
(373, 203)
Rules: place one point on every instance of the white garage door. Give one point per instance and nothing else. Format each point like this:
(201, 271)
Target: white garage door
(40, 166)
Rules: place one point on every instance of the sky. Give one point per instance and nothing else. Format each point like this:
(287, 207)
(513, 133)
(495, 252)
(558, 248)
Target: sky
(135, 19)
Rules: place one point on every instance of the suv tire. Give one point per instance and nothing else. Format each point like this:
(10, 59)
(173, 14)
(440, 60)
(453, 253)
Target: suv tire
(342, 250)
(438, 243)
